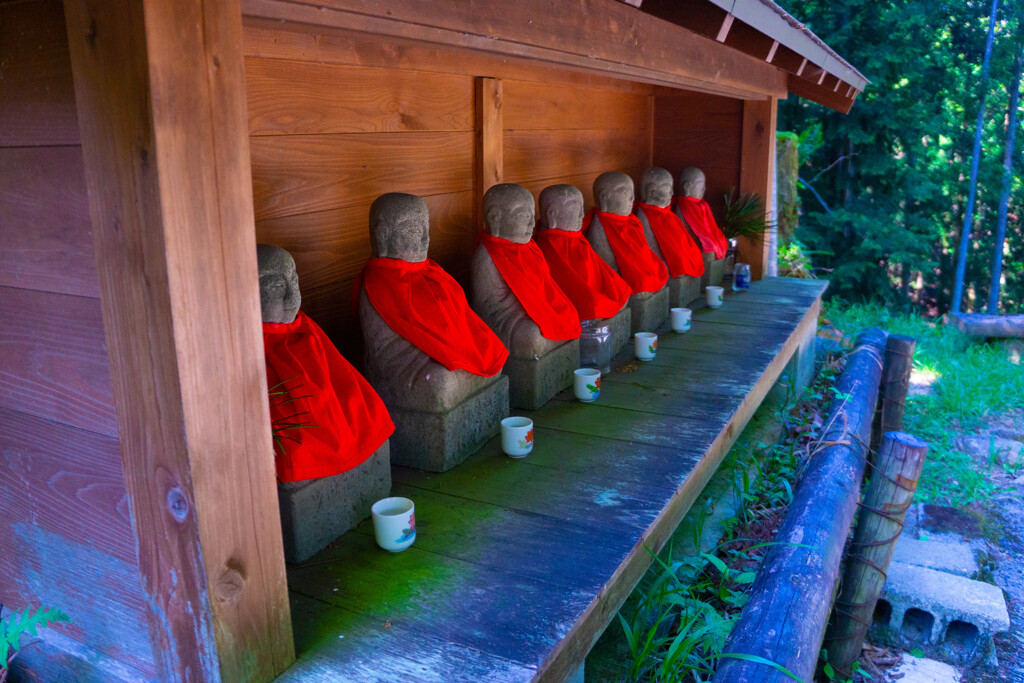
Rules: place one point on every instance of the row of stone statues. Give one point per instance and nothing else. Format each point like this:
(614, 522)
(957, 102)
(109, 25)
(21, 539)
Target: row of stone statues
(447, 367)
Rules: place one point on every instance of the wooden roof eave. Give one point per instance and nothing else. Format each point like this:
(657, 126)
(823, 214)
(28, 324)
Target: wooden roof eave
(595, 36)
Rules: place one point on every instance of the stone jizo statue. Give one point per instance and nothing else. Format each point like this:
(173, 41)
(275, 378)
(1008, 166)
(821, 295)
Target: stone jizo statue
(695, 212)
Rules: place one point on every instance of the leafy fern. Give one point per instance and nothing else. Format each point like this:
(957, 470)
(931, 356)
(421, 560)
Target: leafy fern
(19, 623)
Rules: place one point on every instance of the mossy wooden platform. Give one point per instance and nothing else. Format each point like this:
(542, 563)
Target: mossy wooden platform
(519, 565)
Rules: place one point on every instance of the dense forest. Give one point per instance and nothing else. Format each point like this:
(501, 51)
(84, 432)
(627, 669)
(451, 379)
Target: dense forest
(884, 189)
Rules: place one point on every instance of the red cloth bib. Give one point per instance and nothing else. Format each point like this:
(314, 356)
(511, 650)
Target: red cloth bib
(697, 215)
(348, 421)
(425, 305)
(524, 269)
(638, 265)
(594, 288)
(682, 254)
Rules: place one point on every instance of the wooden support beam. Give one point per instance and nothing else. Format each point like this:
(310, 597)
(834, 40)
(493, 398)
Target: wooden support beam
(490, 133)
(160, 93)
(803, 87)
(896, 371)
(803, 65)
(756, 174)
(723, 31)
(772, 51)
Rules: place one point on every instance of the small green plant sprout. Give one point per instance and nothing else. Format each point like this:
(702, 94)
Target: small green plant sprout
(19, 623)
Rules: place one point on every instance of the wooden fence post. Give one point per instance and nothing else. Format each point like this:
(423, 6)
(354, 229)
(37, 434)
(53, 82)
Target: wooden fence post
(899, 363)
(889, 495)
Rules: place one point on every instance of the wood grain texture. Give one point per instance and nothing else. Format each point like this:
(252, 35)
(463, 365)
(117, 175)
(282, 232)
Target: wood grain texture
(490, 156)
(45, 243)
(335, 45)
(293, 97)
(171, 209)
(757, 175)
(37, 97)
(536, 155)
(306, 173)
(632, 45)
(54, 360)
(604, 483)
(530, 105)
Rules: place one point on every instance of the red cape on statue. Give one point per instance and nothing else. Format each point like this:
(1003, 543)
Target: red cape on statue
(426, 306)
(697, 215)
(638, 265)
(682, 254)
(594, 288)
(524, 269)
(318, 387)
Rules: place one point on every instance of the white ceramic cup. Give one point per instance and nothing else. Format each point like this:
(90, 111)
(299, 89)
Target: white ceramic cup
(517, 436)
(394, 523)
(587, 383)
(645, 344)
(714, 295)
(680, 319)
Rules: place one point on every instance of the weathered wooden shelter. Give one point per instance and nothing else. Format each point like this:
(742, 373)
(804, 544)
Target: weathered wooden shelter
(147, 145)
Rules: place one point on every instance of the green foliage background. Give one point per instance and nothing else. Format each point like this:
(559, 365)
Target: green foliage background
(894, 172)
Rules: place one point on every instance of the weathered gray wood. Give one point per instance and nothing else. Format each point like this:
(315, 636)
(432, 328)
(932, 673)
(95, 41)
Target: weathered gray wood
(896, 370)
(784, 620)
(986, 325)
(889, 495)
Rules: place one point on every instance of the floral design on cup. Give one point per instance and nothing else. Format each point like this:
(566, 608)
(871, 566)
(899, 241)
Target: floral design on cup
(410, 532)
(526, 443)
(596, 386)
(653, 348)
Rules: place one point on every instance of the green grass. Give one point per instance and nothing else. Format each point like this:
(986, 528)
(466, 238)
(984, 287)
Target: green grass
(971, 381)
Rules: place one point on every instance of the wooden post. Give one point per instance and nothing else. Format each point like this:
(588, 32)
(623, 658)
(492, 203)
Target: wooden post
(160, 93)
(784, 620)
(899, 364)
(490, 138)
(885, 505)
(757, 174)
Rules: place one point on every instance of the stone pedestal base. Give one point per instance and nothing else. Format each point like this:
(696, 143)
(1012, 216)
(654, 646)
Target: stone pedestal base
(438, 441)
(714, 271)
(683, 291)
(648, 311)
(602, 338)
(532, 382)
(314, 512)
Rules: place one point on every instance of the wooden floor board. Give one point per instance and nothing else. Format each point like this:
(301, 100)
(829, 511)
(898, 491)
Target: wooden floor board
(519, 564)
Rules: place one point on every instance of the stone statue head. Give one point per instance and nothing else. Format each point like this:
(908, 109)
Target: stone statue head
(400, 227)
(279, 284)
(509, 212)
(691, 183)
(656, 187)
(561, 208)
(613, 193)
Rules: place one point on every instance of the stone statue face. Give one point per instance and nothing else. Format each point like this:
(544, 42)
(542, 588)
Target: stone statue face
(656, 187)
(613, 193)
(279, 284)
(691, 183)
(561, 208)
(509, 212)
(400, 227)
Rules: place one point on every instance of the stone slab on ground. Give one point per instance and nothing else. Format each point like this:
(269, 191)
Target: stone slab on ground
(683, 291)
(1007, 451)
(952, 558)
(532, 382)
(989, 326)
(437, 442)
(314, 512)
(649, 312)
(920, 670)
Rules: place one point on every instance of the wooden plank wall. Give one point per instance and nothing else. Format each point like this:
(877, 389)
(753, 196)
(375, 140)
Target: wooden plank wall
(66, 537)
(335, 122)
(706, 131)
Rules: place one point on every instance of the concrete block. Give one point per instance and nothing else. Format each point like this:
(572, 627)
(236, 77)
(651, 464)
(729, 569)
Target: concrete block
(921, 670)
(438, 441)
(683, 291)
(714, 271)
(533, 381)
(602, 338)
(925, 607)
(649, 310)
(314, 512)
(952, 558)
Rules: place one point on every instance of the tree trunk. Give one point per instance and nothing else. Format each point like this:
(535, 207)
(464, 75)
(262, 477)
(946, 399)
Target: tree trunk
(1004, 200)
(965, 232)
